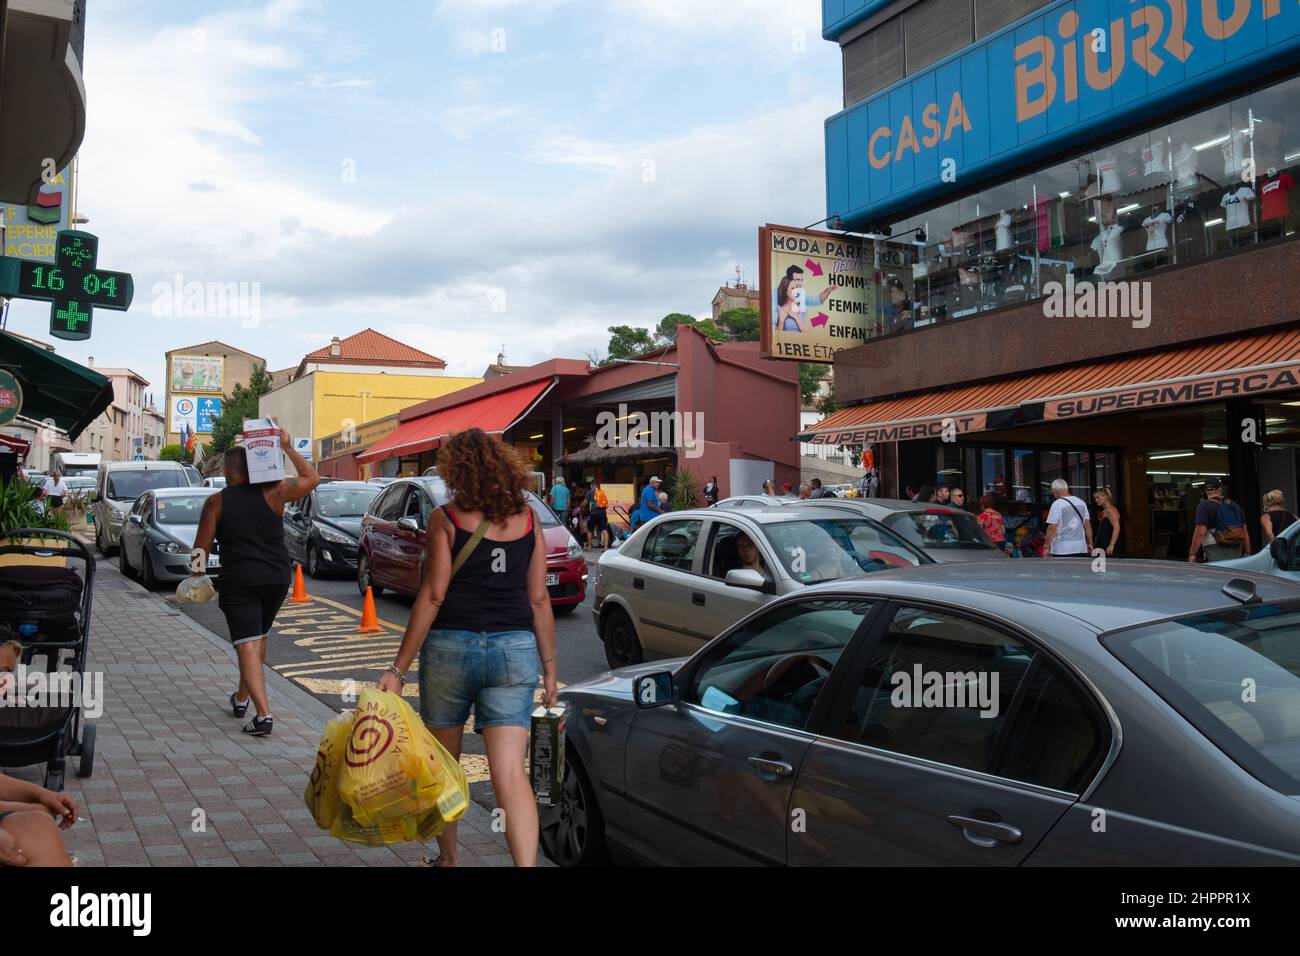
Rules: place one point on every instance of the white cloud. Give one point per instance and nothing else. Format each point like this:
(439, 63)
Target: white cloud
(565, 150)
(464, 121)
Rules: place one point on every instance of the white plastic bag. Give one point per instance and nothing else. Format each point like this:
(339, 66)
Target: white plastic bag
(196, 590)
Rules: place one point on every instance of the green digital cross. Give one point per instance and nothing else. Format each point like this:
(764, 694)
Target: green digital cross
(73, 284)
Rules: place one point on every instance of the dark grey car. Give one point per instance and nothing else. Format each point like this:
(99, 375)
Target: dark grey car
(1013, 713)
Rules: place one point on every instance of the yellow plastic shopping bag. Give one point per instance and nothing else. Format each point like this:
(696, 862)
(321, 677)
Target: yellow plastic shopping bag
(395, 771)
(322, 794)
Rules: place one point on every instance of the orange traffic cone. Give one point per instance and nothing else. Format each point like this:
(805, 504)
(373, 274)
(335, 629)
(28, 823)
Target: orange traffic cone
(369, 619)
(299, 595)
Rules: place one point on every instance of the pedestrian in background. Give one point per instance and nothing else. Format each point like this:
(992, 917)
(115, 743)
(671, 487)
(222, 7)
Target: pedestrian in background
(711, 491)
(992, 522)
(651, 507)
(1108, 523)
(805, 490)
(597, 514)
(558, 497)
(1275, 518)
(1220, 527)
(925, 494)
(247, 522)
(769, 487)
(482, 626)
(957, 498)
(54, 489)
(1069, 532)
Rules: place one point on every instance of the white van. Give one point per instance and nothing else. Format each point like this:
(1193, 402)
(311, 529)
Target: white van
(118, 484)
(76, 464)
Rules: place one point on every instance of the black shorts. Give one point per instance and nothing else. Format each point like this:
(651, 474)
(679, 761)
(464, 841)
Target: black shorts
(598, 522)
(250, 609)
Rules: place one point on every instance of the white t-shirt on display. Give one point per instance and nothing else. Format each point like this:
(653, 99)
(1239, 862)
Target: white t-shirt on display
(1185, 165)
(1067, 514)
(1108, 170)
(1107, 246)
(1155, 227)
(1154, 157)
(1234, 153)
(1237, 207)
(1004, 232)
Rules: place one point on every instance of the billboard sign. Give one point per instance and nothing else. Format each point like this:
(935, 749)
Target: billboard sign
(31, 231)
(208, 411)
(197, 373)
(1070, 75)
(184, 411)
(818, 293)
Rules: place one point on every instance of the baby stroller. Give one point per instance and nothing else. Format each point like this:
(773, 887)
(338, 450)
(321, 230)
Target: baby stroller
(45, 605)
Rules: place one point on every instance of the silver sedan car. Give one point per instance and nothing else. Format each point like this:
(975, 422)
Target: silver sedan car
(686, 576)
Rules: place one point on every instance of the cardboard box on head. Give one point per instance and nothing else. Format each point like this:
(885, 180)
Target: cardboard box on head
(261, 442)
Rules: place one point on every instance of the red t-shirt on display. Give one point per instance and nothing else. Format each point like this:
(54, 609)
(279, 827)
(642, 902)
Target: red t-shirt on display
(1277, 202)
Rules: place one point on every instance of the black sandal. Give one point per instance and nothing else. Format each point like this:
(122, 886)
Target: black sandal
(236, 708)
(259, 726)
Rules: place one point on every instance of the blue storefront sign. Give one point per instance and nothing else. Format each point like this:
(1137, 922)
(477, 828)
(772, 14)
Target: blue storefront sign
(1062, 78)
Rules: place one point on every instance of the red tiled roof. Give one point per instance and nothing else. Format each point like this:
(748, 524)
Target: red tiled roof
(371, 346)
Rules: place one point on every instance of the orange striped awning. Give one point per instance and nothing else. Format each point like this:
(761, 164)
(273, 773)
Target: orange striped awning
(1240, 367)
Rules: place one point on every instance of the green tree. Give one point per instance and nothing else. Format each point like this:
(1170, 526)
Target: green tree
(171, 453)
(739, 325)
(241, 404)
(666, 330)
(810, 380)
(627, 341)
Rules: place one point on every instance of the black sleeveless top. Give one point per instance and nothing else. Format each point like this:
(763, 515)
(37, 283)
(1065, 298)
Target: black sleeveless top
(490, 591)
(250, 539)
(1281, 519)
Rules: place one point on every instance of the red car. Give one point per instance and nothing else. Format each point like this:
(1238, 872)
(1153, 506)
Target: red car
(390, 551)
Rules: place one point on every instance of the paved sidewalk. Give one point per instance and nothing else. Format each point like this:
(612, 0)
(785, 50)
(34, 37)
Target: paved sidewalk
(167, 746)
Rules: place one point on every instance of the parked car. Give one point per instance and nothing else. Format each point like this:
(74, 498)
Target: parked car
(390, 550)
(944, 532)
(321, 530)
(117, 486)
(1281, 557)
(1089, 697)
(216, 481)
(158, 535)
(677, 582)
(380, 481)
(755, 501)
(193, 475)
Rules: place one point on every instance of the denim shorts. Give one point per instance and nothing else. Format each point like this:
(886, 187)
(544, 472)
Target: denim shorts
(494, 672)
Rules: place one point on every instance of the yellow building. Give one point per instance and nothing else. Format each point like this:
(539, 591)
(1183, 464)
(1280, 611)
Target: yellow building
(356, 380)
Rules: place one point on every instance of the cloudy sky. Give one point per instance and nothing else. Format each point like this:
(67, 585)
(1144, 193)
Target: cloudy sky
(460, 174)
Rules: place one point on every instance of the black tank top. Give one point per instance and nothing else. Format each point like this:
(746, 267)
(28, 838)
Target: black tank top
(1281, 519)
(250, 537)
(490, 591)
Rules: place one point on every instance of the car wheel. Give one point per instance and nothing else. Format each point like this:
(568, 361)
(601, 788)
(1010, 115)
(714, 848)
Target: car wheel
(313, 561)
(573, 831)
(622, 647)
(364, 578)
(147, 577)
(123, 564)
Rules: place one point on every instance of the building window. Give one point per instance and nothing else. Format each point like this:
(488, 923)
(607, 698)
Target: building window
(1177, 193)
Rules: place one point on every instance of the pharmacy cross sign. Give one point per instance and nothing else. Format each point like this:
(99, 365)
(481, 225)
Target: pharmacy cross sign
(73, 284)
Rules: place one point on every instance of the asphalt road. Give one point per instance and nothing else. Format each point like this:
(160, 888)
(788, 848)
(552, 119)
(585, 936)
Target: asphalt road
(315, 645)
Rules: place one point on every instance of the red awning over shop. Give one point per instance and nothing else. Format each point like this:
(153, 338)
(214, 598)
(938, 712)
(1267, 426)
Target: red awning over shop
(1235, 368)
(493, 413)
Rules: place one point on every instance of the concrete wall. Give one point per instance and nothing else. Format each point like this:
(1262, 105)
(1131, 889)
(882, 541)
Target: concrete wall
(291, 406)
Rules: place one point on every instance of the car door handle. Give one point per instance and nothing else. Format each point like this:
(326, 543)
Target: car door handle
(638, 583)
(767, 765)
(697, 598)
(985, 833)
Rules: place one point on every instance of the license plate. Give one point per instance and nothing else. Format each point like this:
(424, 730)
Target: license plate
(552, 580)
(214, 562)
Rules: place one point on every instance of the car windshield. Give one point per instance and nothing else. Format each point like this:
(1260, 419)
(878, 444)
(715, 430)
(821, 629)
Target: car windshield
(544, 514)
(828, 548)
(179, 510)
(939, 528)
(344, 502)
(129, 485)
(1234, 674)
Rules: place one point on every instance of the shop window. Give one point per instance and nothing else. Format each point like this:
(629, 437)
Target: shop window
(1103, 469)
(1024, 472)
(993, 472)
(1076, 473)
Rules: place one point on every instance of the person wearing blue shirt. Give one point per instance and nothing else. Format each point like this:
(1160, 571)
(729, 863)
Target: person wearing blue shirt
(650, 506)
(558, 498)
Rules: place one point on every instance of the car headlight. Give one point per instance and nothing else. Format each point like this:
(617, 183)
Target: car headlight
(171, 547)
(335, 537)
(575, 549)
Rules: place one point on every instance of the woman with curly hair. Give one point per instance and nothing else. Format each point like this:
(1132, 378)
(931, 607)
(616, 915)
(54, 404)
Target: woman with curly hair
(482, 625)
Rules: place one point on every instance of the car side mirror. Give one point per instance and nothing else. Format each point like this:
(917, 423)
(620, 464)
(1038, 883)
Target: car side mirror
(745, 578)
(1280, 549)
(134, 519)
(653, 690)
(409, 523)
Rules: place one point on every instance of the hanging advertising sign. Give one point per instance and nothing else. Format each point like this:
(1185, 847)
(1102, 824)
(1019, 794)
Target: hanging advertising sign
(11, 397)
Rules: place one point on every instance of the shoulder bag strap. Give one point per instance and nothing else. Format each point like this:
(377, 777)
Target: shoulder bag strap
(1082, 520)
(470, 545)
